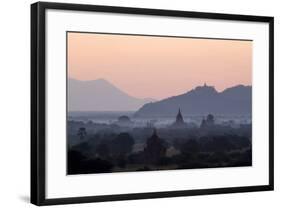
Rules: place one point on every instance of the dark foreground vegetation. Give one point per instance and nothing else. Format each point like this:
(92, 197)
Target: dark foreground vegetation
(112, 148)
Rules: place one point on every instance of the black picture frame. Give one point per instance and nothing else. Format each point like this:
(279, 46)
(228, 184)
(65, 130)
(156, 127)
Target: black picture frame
(38, 102)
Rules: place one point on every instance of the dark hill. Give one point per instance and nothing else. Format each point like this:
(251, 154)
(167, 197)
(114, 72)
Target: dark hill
(202, 100)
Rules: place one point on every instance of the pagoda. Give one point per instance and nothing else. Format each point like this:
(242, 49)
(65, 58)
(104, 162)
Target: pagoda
(179, 123)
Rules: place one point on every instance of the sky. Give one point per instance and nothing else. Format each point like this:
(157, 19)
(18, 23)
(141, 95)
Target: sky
(159, 67)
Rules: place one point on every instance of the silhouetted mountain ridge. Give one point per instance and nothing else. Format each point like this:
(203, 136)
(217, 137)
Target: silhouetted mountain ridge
(202, 100)
(100, 95)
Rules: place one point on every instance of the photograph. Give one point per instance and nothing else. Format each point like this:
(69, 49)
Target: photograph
(135, 103)
(138, 102)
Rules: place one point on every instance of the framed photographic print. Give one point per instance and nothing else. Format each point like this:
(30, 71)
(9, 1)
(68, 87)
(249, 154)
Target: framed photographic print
(134, 103)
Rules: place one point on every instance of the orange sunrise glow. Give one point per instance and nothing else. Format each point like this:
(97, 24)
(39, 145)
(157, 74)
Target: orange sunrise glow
(159, 67)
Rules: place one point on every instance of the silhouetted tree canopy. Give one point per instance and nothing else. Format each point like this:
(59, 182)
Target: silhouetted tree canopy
(103, 150)
(107, 147)
(122, 144)
(79, 164)
(82, 132)
(190, 146)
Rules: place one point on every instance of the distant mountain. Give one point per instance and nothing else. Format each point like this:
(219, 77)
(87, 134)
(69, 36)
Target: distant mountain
(100, 95)
(203, 100)
(239, 92)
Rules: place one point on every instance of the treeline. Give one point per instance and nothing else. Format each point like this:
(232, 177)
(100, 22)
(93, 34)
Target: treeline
(101, 153)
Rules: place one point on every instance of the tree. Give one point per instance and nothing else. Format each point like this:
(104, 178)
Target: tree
(190, 146)
(103, 150)
(74, 161)
(122, 144)
(77, 163)
(82, 133)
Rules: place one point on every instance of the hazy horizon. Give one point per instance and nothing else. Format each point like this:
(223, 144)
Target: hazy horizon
(187, 90)
(159, 67)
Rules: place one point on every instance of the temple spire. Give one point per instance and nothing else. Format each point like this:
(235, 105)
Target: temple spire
(179, 123)
(179, 118)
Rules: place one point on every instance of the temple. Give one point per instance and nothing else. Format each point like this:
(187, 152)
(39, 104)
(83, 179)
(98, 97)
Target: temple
(179, 123)
(179, 119)
(209, 122)
(155, 148)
